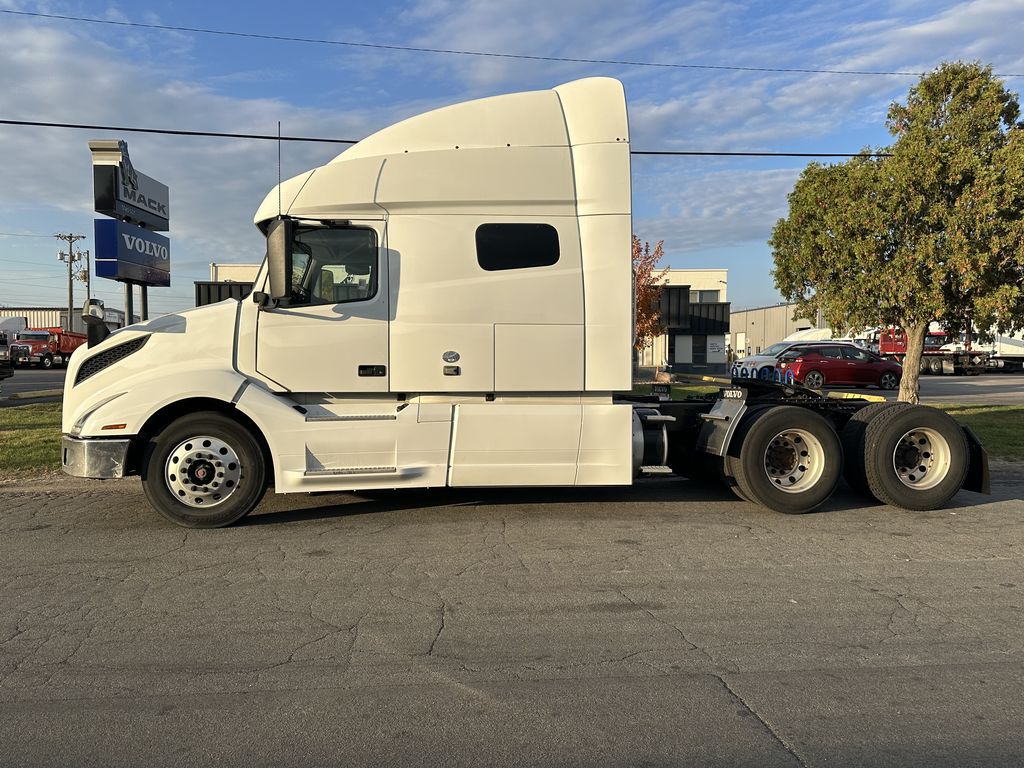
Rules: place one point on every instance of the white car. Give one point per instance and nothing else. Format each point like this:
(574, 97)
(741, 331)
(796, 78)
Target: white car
(765, 359)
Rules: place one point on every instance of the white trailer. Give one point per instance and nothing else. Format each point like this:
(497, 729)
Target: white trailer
(1006, 352)
(449, 303)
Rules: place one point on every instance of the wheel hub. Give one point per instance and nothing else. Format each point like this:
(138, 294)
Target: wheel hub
(794, 460)
(203, 471)
(921, 458)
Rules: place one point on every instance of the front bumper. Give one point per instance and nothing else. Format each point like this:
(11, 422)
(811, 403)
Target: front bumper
(101, 459)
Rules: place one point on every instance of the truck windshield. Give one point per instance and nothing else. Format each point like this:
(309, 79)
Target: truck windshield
(33, 336)
(332, 265)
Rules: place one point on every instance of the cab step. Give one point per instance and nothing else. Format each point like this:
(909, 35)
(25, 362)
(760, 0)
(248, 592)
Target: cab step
(338, 471)
(652, 470)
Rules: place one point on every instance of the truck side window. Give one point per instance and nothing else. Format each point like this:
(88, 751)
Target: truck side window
(333, 265)
(516, 246)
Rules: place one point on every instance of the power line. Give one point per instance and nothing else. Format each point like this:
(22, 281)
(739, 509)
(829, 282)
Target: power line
(173, 132)
(274, 137)
(20, 234)
(456, 52)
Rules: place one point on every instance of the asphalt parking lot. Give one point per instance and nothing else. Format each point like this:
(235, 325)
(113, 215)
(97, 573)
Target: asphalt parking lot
(660, 625)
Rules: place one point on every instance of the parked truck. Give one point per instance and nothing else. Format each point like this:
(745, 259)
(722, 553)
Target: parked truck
(944, 353)
(45, 347)
(6, 371)
(449, 303)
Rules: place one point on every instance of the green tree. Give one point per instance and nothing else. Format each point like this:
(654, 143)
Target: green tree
(933, 231)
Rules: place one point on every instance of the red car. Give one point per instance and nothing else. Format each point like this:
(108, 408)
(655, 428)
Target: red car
(816, 365)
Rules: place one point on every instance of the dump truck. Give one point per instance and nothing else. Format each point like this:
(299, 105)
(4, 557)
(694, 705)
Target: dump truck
(449, 303)
(45, 347)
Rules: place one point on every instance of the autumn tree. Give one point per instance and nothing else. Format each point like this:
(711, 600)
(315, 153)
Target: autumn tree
(932, 231)
(647, 282)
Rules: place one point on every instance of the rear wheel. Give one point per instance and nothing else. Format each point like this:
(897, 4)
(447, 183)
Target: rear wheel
(888, 380)
(852, 437)
(790, 460)
(728, 467)
(935, 366)
(204, 470)
(915, 457)
(814, 379)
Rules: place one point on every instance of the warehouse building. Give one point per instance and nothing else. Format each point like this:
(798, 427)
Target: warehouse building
(16, 318)
(751, 330)
(695, 312)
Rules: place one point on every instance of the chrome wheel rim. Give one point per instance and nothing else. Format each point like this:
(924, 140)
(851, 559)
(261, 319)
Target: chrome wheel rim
(814, 380)
(921, 458)
(203, 471)
(794, 460)
(889, 381)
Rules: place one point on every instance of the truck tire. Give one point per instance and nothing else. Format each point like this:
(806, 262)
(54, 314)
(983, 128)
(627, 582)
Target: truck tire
(814, 379)
(790, 460)
(204, 470)
(46, 361)
(852, 437)
(935, 366)
(915, 457)
(728, 467)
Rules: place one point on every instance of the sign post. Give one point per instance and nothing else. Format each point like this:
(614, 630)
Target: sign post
(127, 247)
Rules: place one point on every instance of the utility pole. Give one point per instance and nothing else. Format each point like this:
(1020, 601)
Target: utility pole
(71, 256)
(85, 275)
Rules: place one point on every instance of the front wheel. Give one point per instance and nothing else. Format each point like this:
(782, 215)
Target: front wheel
(790, 460)
(204, 470)
(46, 362)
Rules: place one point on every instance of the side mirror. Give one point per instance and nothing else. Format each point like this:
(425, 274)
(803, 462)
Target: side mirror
(280, 233)
(95, 326)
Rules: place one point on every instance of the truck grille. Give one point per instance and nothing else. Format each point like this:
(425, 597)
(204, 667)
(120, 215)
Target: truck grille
(108, 357)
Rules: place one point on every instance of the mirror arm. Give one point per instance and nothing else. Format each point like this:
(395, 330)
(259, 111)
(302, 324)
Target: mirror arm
(264, 300)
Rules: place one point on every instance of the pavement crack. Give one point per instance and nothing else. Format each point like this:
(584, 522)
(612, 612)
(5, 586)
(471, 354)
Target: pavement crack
(440, 629)
(764, 723)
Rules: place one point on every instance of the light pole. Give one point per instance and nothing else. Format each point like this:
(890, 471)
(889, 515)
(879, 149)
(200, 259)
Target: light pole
(71, 256)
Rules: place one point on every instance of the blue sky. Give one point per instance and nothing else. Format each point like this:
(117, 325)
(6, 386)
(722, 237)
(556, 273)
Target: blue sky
(711, 212)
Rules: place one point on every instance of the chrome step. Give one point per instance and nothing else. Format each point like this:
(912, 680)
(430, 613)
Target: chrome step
(351, 471)
(351, 417)
(652, 470)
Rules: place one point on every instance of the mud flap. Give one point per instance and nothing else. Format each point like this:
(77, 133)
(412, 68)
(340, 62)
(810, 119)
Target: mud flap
(977, 479)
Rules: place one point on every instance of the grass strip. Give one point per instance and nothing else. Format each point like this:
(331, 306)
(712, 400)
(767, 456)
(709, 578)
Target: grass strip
(29, 439)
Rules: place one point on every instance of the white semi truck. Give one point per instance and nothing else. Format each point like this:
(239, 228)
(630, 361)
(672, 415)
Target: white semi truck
(449, 303)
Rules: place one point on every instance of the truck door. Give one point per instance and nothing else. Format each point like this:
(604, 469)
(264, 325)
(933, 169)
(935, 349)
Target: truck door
(331, 334)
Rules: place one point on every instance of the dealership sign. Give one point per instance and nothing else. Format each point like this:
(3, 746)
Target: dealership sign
(129, 253)
(127, 246)
(122, 192)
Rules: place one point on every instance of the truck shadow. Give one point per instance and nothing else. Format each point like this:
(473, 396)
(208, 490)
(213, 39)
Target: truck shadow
(662, 492)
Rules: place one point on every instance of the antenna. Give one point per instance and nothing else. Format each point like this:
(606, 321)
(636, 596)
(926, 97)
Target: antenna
(279, 211)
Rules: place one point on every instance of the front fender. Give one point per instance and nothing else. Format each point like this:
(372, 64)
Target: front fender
(125, 409)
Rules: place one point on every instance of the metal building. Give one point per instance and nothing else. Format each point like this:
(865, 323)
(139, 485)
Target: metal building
(751, 330)
(55, 317)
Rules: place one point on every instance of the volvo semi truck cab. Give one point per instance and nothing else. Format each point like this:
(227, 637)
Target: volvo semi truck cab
(449, 303)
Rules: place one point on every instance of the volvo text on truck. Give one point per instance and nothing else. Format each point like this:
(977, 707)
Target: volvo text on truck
(449, 303)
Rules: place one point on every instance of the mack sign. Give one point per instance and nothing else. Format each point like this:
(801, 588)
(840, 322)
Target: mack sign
(129, 253)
